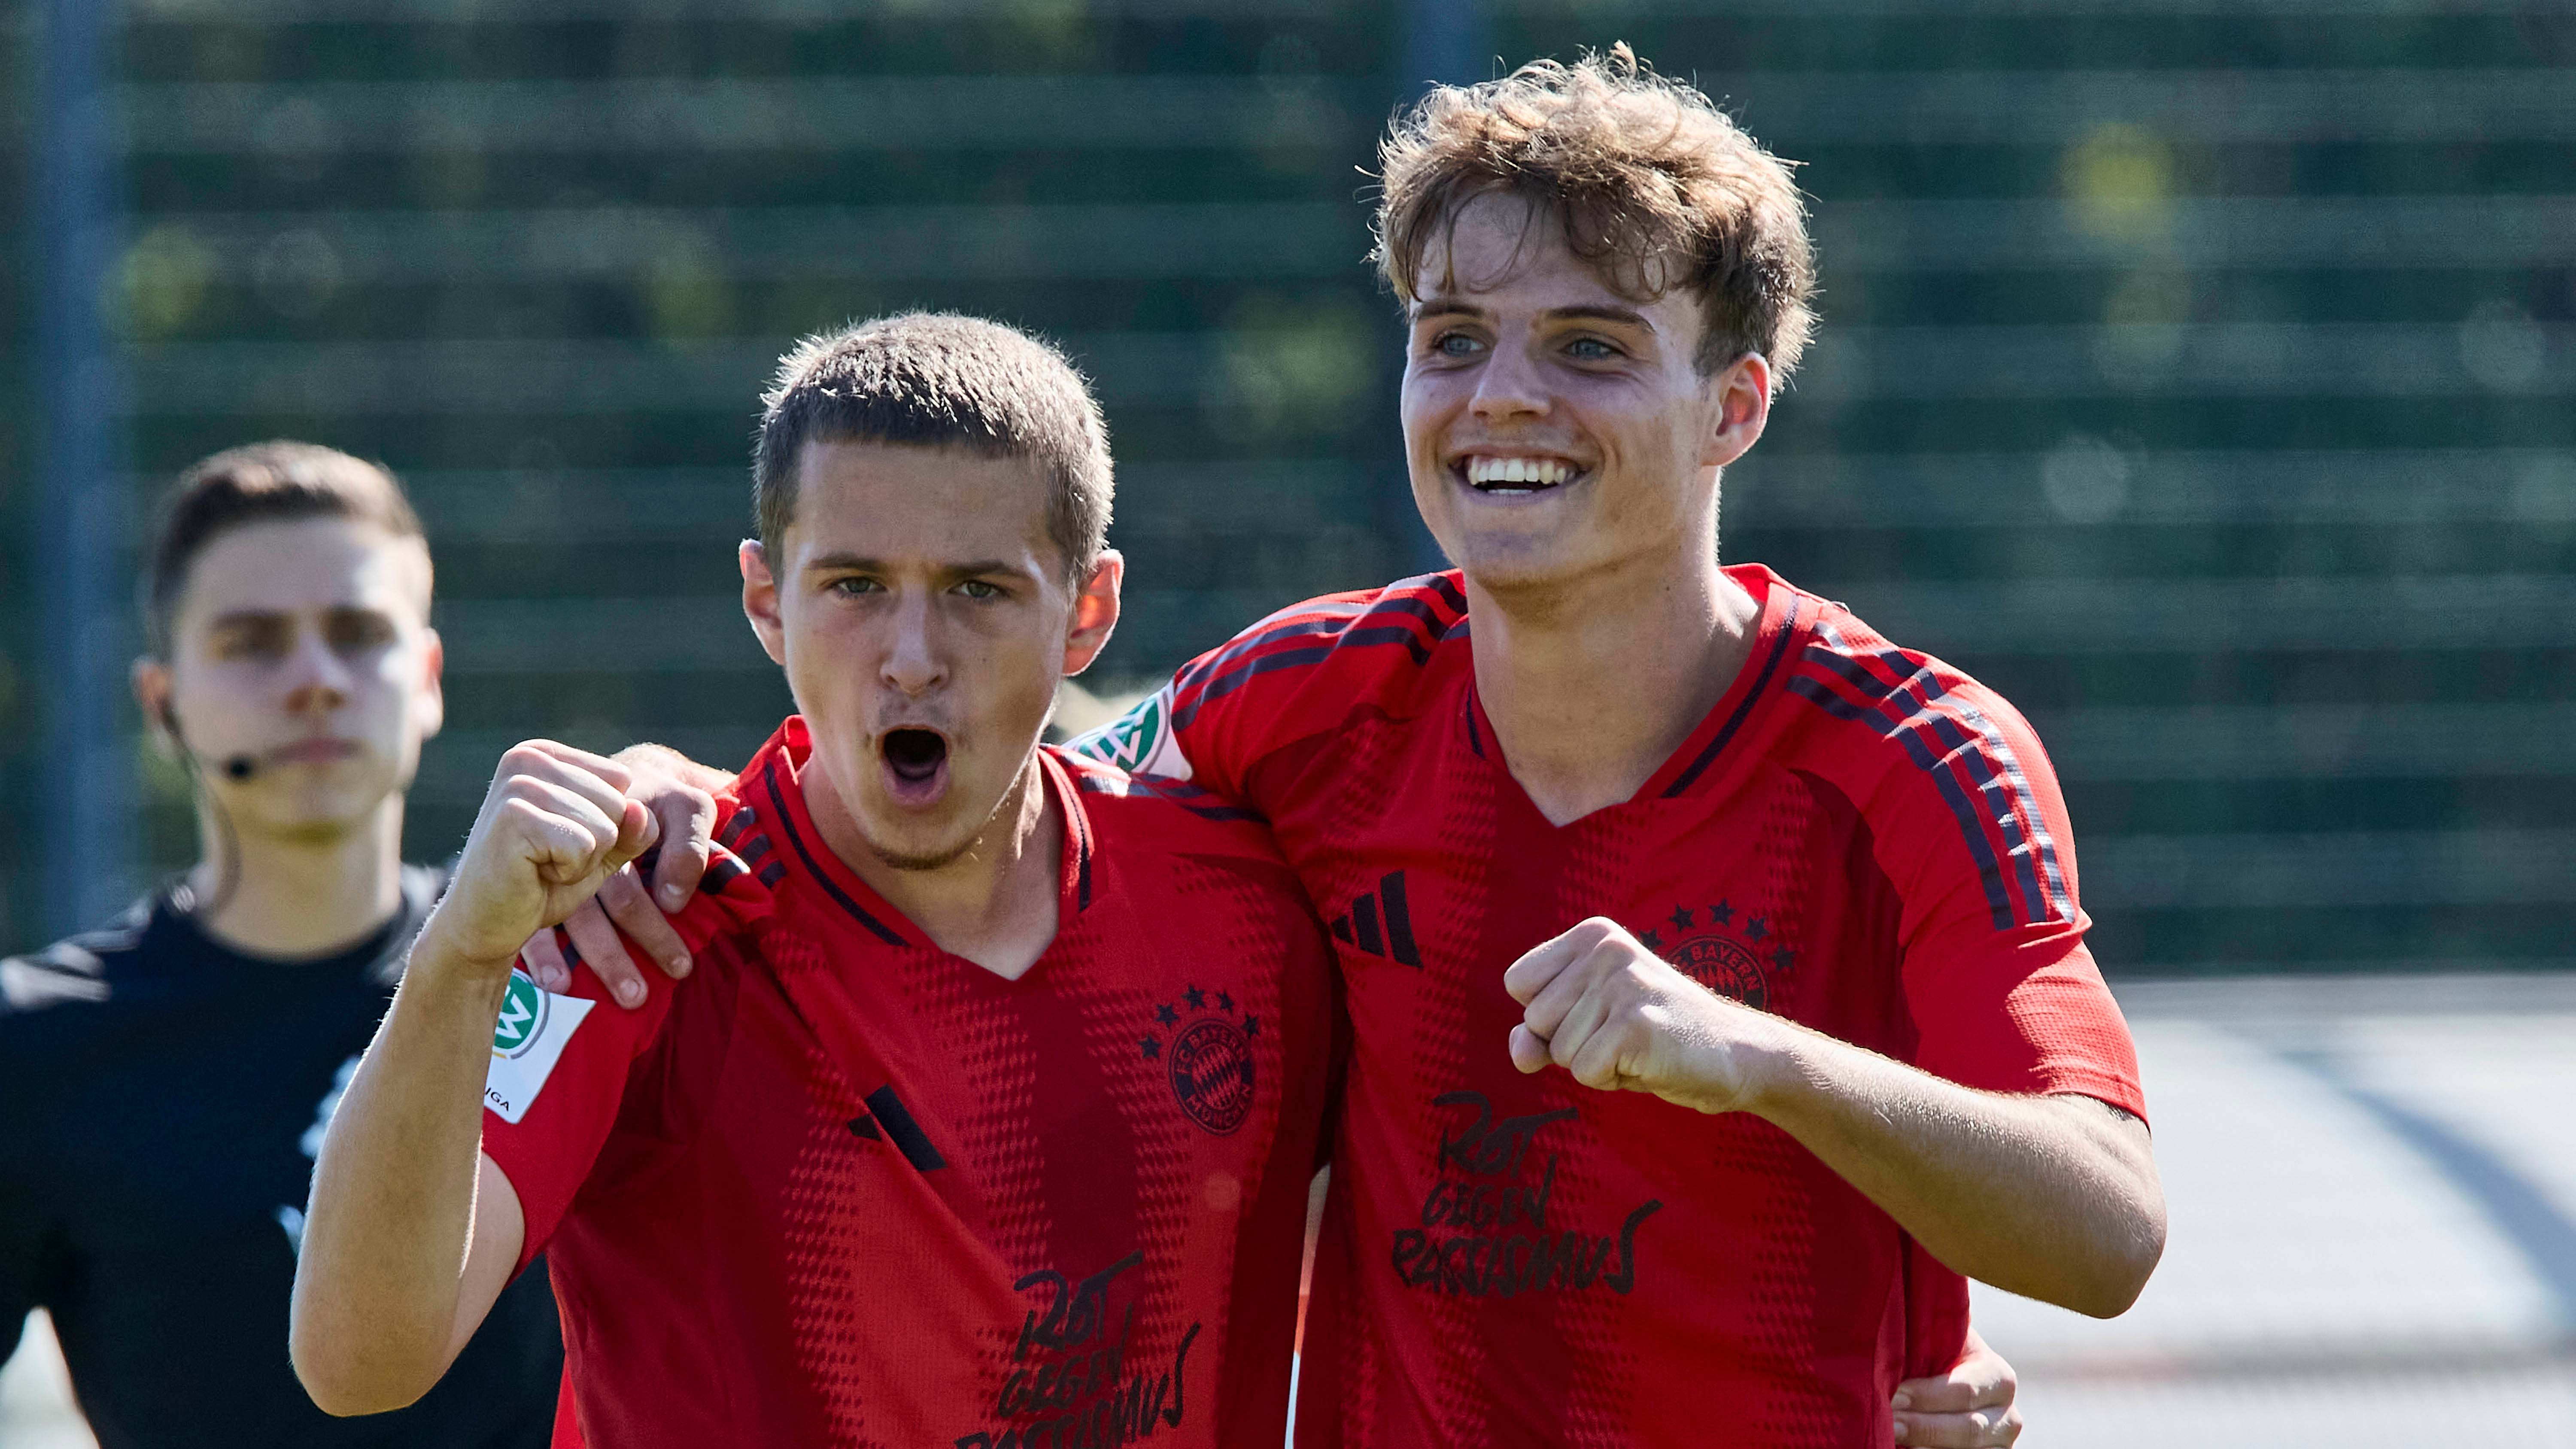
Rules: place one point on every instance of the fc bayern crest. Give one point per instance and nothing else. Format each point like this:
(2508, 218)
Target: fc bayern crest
(1208, 1057)
(1730, 953)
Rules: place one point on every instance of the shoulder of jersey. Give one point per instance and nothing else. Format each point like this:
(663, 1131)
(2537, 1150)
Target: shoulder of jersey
(1170, 811)
(74, 969)
(745, 861)
(1883, 723)
(1377, 647)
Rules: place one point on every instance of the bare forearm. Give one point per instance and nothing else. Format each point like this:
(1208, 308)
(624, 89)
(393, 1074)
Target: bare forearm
(2055, 1198)
(387, 1235)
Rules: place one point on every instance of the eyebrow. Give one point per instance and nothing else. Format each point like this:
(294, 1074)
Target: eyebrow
(246, 618)
(1451, 306)
(858, 564)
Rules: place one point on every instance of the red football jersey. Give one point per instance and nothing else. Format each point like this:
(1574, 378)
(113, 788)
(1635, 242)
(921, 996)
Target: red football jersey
(1858, 837)
(841, 1187)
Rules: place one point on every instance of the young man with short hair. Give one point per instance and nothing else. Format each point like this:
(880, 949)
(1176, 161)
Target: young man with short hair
(987, 1113)
(1612, 837)
(163, 1080)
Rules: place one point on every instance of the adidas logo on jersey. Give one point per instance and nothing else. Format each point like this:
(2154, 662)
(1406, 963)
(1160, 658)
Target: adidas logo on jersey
(1380, 923)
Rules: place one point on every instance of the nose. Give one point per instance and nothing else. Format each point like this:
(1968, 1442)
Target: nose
(916, 661)
(1508, 385)
(317, 679)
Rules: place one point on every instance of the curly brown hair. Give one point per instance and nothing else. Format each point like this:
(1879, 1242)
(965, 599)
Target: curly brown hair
(1654, 186)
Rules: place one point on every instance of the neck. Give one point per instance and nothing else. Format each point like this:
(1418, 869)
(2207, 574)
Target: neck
(994, 905)
(294, 896)
(1592, 684)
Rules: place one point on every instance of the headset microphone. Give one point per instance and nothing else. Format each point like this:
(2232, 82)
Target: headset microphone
(241, 767)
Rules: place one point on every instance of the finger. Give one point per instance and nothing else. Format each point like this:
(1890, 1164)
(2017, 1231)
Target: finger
(1529, 1049)
(560, 834)
(1596, 1062)
(604, 954)
(1545, 1013)
(1591, 1007)
(1983, 1429)
(636, 832)
(545, 962)
(1945, 1394)
(617, 776)
(565, 830)
(1541, 964)
(688, 819)
(622, 895)
(606, 796)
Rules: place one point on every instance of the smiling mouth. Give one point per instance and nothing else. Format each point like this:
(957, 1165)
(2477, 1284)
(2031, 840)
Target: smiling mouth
(1514, 477)
(916, 762)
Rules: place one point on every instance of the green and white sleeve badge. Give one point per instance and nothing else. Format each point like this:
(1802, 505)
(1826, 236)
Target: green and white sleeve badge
(527, 1042)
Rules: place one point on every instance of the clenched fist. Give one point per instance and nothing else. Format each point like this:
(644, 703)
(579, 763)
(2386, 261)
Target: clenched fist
(557, 822)
(1599, 1004)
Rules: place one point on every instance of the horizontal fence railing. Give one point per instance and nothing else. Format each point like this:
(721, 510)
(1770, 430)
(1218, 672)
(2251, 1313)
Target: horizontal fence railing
(1788, 110)
(2073, 616)
(791, 12)
(2307, 741)
(2360, 868)
(614, 244)
(618, 244)
(2228, 615)
(674, 113)
(667, 505)
(2233, 360)
(2088, 481)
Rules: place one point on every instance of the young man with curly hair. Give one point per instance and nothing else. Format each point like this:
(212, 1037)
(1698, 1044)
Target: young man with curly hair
(1716, 976)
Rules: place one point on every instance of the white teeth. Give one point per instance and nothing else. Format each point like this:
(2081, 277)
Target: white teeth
(1535, 472)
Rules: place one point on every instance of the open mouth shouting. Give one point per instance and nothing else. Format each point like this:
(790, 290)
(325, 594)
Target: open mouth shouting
(1514, 475)
(916, 765)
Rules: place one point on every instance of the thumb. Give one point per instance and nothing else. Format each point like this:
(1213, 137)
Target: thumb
(636, 832)
(1529, 1049)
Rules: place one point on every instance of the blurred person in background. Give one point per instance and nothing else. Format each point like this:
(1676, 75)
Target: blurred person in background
(165, 1080)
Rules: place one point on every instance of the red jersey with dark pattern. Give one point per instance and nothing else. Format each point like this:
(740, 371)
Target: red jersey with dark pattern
(841, 1187)
(1858, 837)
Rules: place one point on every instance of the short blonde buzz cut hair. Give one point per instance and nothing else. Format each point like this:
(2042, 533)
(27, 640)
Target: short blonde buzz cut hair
(1655, 187)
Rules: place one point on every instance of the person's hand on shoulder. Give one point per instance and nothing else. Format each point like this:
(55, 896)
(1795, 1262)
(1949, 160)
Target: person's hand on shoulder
(1970, 1407)
(680, 793)
(555, 824)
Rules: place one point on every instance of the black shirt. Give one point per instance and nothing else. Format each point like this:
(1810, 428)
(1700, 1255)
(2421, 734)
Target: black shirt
(161, 1099)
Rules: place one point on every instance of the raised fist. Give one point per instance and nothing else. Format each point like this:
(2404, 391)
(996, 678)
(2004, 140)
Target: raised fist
(557, 822)
(1618, 1017)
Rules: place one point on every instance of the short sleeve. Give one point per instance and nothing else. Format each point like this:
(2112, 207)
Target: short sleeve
(2004, 993)
(560, 1068)
(1291, 677)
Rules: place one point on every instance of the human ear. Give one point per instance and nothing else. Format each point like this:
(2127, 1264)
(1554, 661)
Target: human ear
(433, 686)
(760, 600)
(1095, 612)
(151, 680)
(1739, 398)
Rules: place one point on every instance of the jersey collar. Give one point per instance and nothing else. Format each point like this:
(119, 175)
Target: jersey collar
(773, 786)
(1786, 617)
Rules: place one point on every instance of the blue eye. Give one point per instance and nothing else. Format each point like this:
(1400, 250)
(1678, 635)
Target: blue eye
(851, 587)
(1456, 344)
(978, 589)
(1591, 349)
